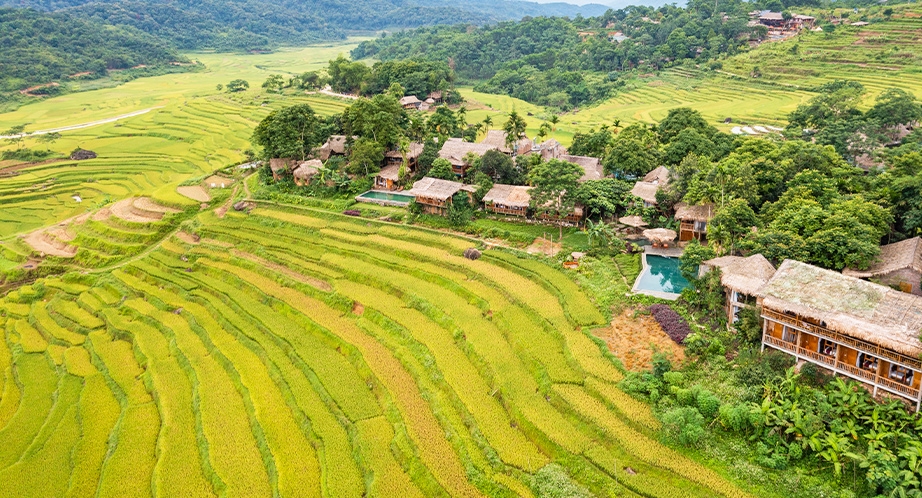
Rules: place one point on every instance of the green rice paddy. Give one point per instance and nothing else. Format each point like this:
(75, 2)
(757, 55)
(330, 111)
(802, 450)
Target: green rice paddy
(380, 363)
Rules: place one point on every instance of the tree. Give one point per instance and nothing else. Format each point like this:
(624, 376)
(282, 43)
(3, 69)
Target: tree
(16, 133)
(604, 198)
(694, 255)
(487, 122)
(290, 132)
(554, 119)
(628, 157)
(460, 211)
(894, 107)
(238, 86)
(554, 186)
(592, 144)
(682, 118)
(219, 87)
(365, 157)
(732, 221)
(49, 138)
(484, 184)
(441, 168)
(514, 128)
(428, 156)
(274, 83)
(347, 76)
(444, 123)
(380, 118)
(836, 100)
(688, 141)
(499, 167)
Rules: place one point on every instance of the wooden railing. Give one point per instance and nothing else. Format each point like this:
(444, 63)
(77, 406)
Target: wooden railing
(865, 347)
(845, 368)
(510, 211)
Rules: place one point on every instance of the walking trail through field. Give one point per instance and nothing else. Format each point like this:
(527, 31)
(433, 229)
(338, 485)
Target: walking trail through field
(82, 125)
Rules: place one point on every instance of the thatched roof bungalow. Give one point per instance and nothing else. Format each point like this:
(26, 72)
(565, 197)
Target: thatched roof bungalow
(334, 146)
(742, 278)
(863, 330)
(694, 220)
(647, 188)
(549, 149)
(455, 149)
(592, 166)
(512, 200)
(396, 157)
(388, 177)
(410, 102)
(497, 139)
(899, 265)
(306, 171)
(435, 194)
(280, 166)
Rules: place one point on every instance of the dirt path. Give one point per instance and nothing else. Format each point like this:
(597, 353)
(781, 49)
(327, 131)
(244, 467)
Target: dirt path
(194, 192)
(82, 125)
(221, 211)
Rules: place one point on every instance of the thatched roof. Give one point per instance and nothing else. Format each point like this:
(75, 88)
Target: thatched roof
(308, 169)
(455, 149)
(497, 138)
(436, 95)
(633, 221)
(703, 212)
(436, 188)
(391, 172)
(336, 144)
(410, 100)
(851, 306)
(413, 152)
(592, 166)
(659, 176)
(660, 234)
(508, 195)
(893, 257)
(745, 275)
(549, 149)
(278, 165)
(646, 191)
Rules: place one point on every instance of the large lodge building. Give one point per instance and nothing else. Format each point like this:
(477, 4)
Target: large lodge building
(862, 330)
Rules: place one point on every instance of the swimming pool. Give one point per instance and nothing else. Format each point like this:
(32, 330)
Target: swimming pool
(660, 277)
(386, 198)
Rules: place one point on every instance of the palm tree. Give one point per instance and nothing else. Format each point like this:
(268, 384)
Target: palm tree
(462, 116)
(601, 231)
(487, 122)
(514, 128)
(554, 119)
(543, 130)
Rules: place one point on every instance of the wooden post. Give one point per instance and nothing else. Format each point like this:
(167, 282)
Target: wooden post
(880, 366)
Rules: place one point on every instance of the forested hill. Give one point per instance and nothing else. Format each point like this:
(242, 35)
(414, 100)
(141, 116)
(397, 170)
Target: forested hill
(260, 24)
(563, 63)
(39, 48)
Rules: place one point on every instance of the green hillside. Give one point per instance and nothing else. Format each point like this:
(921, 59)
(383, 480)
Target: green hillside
(40, 48)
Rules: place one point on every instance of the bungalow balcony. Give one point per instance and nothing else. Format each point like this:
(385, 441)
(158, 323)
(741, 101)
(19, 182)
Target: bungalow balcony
(510, 211)
(872, 364)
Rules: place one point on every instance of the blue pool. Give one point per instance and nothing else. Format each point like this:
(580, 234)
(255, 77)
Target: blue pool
(387, 198)
(660, 275)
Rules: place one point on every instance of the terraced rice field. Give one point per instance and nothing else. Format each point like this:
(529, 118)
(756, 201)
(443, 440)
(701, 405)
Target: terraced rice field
(193, 129)
(297, 352)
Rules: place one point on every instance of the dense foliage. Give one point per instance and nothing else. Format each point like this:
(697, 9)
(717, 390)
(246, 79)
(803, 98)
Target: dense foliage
(564, 63)
(257, 25)
(41, 48)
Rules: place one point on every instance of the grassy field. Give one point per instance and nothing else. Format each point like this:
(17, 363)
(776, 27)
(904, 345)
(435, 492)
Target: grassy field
(381, 363)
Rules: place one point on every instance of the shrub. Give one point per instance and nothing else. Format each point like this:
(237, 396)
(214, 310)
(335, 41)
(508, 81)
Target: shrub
(352, 212)
(671, 322)
(708, 404)
(684, 425)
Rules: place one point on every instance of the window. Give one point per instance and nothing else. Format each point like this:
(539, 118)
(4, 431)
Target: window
(827, 348)
(900, 374)
(701, 226)
(867, 362)
(788, 335)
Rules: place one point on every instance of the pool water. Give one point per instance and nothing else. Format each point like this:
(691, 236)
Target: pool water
(661, 275)
(386, 196)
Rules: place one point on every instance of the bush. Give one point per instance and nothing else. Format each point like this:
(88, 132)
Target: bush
(684, 425)
(671, 322)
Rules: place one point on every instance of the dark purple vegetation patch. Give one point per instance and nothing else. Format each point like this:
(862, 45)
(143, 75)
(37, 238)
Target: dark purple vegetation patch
(671, 322)
(352, 212)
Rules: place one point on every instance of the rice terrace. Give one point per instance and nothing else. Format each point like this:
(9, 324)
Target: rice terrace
(215, 286)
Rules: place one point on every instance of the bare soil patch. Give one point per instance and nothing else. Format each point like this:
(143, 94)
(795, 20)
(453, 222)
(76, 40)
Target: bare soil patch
(634, 340)
(144, 203)
(126, 210)
(47, 245)
(187, 237)
(543, 246)
(196, 193)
